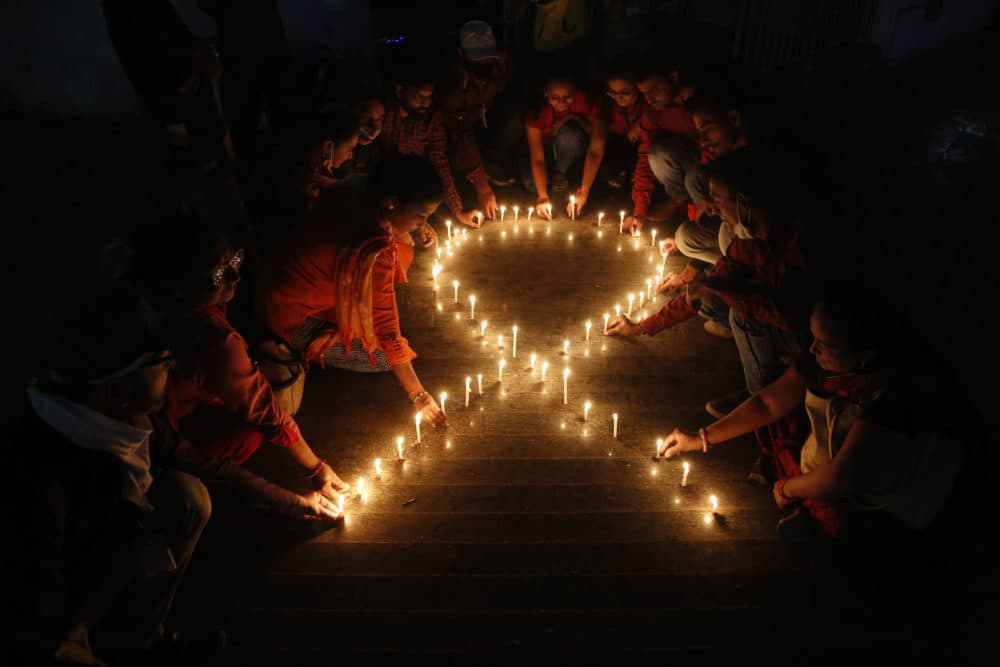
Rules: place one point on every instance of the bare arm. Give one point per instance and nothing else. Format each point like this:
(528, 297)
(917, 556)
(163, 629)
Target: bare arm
(595, 154)
(769, 404)
(536, 150)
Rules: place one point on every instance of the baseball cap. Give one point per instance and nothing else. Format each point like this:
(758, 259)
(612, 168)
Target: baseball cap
(477, 40)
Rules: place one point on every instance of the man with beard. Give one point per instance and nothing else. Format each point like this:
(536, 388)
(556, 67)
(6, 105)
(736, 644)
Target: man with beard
(482, 74)
(411, 128)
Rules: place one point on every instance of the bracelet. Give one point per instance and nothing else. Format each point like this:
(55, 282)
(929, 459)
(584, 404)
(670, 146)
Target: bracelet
(641, 332)
(704, 440)
(417, 395)
(317, 469)
(781, 490)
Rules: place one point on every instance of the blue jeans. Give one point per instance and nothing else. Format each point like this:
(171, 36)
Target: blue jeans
(672, 157)
(568, 146)
(765, 350)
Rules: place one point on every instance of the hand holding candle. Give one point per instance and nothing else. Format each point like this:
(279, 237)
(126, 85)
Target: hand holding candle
(600, 218)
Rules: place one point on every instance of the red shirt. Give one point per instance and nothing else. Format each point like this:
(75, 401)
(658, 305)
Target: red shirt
(301, 282)
(215, 370)
(672, 119)
(620, 119)
(764, 282)
(424, 136)
(544, 118)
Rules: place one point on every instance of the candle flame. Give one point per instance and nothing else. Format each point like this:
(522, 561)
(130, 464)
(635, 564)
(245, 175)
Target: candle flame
(714, 501)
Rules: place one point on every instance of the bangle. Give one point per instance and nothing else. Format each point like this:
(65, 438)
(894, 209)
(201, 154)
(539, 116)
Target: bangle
(781, 490)
(317, 469)
(413, 399)
(704, 440)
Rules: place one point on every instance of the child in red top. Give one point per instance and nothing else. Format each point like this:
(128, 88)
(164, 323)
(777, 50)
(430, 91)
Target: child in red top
(218, 398)
(565, 129)
(331, 292)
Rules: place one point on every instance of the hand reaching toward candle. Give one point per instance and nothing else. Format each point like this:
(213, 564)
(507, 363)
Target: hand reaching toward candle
(430, 410)
(633, 223)
(780, 497)
(579, 201)
(317, 507)
(543, 209)
(668, 245)
(621, 325)
(427, 235)
(671, 282)
(679, 442)
(329, 484)
(470, 218)
(488, 203)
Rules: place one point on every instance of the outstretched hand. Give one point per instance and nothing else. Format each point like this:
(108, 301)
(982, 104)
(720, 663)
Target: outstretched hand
(621, 325)
(679, 442)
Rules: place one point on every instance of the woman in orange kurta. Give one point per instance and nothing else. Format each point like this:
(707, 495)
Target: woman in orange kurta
(331, 292)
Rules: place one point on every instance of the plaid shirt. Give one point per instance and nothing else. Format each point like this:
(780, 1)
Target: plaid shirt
(424, 136)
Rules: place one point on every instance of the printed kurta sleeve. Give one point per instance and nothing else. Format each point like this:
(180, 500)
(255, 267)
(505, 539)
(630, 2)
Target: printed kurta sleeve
(385, 313)
(643, 180)
(437, 153)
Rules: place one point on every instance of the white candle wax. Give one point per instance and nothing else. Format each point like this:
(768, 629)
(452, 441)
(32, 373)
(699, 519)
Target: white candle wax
(600, 217)
(378, 467)
(614, 421)
(618, 310)
(659, 446)
(684, 477)
(340, 504)
(454, 284)
(565, 386)
(586, 410)
(631, 298)
(606, 318)
(399, 447)
(500, 342)
(419, 417)
(621, 222)
(516, 215)
(715, 503)
(361, 486)
(513, 348)
(479, 383)
(586, 328)
(531, 210)
(545, 369)
(649, 289)
(566, 347)
(482, 328)
(503, 212)
(500, 365)
(472, 307)
(531, 361)
(652, 235)
(444, 397)
(468, 390)
(572, 207)
(447, 223)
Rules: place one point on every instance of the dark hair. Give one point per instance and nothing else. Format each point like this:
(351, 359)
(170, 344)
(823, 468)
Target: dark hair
(751, 174)
(622, 67)
(409, 178)
(416, 72)
(852, 321)
(167, 253)
(338, 124)
(719, 105)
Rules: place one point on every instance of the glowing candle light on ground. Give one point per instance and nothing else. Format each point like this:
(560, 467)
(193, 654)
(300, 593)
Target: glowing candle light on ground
(472, 309)
(399, 447)
(444, 397)
(513, 347)
(586, 410)
(419, 417)
(479, 383)
(378, 467)
(531, 361)
(614, 426)
(631, 298)
(566, 347)
(565, 386)
(531, 210)
(684, 477)
(454, 284)
(447, 223)
(468, 390)
(482, 328)
(607, 317)
(621, 222)
(600, 218)
(500, 365)
(586, 328)
(545, 369)
(652, 235)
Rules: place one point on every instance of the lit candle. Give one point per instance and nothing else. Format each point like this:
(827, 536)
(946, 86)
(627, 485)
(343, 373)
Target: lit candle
(631, 298)
(566, 347)
(444, 397)
(621, 222)
(652, 234)
(513, 349)
(715, 503)
(472, 308)
(454, 284)
(684, 477)
(531, 361)
(399, 447)
(600, 217)
(606, 318)
(500, 365)
(438, 252)
(503, 212)
(516, 216)
(548, 208)
(480, 221)
(531, 209)
(468, 390)
(565, 386)
(419, 417)
(614, 427)
(649, 289)
(500, 342)
(482, 329)
(659, 446)
(435, 272)
(378, 467)
(618, 310)
(361, 486)
(479, 383)
(586, 328)
(340, 504)
(586, 410)
(447, 223)
(545, 369)
(572, 207)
